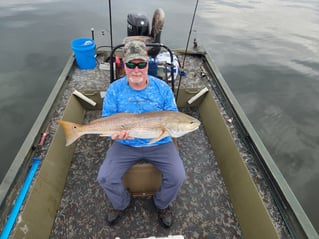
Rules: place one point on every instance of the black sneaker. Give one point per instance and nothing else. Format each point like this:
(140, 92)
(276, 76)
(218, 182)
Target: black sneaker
(113, 216)
(166, 216)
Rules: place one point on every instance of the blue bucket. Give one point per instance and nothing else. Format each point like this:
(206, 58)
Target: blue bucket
(84, 50)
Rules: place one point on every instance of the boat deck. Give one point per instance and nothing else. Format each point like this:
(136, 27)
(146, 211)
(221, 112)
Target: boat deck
(202, 208)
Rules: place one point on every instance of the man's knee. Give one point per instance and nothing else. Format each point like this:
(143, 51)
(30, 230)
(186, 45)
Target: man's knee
(182, 175)
(177, 177)
(102, 179)
(105, 179)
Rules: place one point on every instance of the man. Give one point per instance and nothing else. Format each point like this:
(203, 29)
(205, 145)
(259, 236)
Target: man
(138, 92)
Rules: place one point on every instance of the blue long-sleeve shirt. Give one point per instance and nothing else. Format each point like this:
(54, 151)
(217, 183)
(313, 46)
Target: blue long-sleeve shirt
(120, 97)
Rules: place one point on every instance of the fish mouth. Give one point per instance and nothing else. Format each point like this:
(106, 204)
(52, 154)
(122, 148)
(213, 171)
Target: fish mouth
(193, 128)
(197, 123)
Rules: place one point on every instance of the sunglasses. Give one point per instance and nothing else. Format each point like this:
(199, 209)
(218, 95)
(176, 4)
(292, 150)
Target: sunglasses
(140, 65)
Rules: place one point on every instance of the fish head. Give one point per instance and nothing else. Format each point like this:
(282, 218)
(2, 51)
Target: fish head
(182, 124)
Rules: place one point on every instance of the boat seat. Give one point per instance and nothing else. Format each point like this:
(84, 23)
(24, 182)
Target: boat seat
(143, 178)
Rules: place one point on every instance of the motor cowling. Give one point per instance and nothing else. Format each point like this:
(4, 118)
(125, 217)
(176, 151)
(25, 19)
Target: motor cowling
(138, 28)
(137, 25)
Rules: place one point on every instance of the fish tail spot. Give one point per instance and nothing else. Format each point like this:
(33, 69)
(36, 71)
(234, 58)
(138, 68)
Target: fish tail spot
(71, 131)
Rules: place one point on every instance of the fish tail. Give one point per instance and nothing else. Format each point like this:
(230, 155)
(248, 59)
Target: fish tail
(71, 131)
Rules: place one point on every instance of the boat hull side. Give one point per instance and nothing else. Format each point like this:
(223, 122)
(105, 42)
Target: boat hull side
(40, 208)
(252, 214)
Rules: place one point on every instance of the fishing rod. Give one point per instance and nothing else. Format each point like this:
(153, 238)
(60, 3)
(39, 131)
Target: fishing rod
(187, 43)
(110, 16)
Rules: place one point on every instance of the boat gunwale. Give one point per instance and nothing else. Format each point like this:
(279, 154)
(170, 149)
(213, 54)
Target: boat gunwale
(27, 148)
(298, 217)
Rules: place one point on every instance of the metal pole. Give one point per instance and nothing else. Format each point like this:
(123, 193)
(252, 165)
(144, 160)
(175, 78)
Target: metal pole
(92, 33)
(110, 15)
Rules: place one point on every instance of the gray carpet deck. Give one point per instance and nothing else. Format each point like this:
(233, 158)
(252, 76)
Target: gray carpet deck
(202, 208)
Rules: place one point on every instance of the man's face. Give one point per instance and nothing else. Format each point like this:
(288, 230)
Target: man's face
(136, 71)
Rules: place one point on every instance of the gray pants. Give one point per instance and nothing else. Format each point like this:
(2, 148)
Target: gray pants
(120, 158)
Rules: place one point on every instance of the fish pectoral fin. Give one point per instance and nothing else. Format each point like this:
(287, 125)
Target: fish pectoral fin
(162, 135)
(123, 127)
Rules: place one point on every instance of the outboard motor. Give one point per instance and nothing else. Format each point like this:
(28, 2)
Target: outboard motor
(137, 25)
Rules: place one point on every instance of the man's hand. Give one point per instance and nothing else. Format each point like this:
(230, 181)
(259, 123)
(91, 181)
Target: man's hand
(121, 135)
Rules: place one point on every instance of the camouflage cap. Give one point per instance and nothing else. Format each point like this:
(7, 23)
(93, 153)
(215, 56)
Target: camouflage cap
(135, 50)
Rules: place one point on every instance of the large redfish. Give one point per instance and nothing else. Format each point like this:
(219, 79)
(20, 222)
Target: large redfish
(151, 125)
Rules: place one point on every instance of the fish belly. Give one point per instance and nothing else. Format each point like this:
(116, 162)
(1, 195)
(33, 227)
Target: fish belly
(146, 134)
